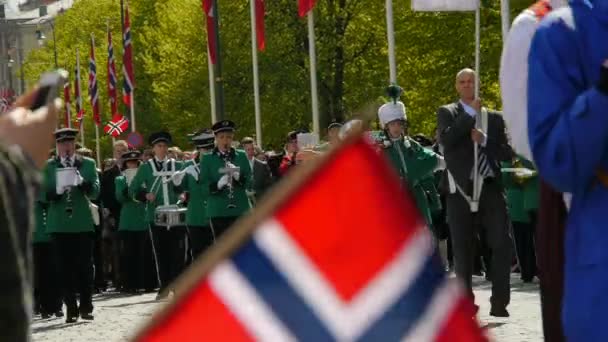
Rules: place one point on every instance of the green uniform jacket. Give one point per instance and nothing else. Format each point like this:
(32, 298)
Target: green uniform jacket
(40, 209)
(196, 216)
(521, 197)
(419, 165)
(144, 180)
(81, 220)
(218, 200)
(132, 212)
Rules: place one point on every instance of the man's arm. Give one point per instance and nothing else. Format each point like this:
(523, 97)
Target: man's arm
(567, 120)
(453, 130)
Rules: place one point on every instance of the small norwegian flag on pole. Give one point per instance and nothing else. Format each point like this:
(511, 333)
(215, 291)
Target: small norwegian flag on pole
(68, 105)
(112, 81)
(116, 126)
(282, 274)
(93, 93)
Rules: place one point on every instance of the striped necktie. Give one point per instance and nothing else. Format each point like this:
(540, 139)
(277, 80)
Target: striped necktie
(483, 164)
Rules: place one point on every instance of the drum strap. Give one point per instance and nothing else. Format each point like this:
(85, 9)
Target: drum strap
(162, 174)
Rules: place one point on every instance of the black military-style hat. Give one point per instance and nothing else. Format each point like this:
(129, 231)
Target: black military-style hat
(160, 137)
(65, 134)
(223, 126)
(203, 139)
(334, 124)
(131, 155)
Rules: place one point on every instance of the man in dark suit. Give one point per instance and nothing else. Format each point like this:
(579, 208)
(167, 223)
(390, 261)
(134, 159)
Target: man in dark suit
(462, 125)
(262, 177)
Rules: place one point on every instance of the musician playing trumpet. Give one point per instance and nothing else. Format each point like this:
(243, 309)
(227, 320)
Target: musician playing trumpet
(151, 185)
(226, 174)
(70, 221)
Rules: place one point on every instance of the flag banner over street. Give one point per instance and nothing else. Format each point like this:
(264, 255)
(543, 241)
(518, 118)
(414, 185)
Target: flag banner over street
(444, 5)
(316, 264)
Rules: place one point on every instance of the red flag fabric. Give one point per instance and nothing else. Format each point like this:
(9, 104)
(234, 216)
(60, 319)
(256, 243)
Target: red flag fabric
(260, 12)
(127, 61)
(93, 91)
(327, 265)
(112, 81)
(211, 34)
(68, 105)
(77, 92)
(305, 6)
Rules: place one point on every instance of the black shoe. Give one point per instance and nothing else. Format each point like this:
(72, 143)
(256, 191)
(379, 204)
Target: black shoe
(500, 311)
(45, 315)
(162, 295)
(87, 316)
(59, 313)
(71, 319)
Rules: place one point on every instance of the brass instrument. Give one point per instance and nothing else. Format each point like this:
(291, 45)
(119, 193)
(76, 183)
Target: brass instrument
(520, 177)
(230, 169)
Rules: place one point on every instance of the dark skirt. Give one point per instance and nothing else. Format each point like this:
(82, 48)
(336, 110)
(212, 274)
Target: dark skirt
(550, 234)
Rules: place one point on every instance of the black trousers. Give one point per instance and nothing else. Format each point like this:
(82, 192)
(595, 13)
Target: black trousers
(201, 238)
(170, 249)
(74, 252)
(221, 224)
(464, 226)
(47, 290)
(98, 260)
(523, 234)
(132, 258)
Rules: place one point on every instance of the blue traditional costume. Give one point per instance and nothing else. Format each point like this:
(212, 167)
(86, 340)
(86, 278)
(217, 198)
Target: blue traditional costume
(568, 130)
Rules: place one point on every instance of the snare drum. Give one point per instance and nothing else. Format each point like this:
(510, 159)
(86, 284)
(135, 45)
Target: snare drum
(170, 216)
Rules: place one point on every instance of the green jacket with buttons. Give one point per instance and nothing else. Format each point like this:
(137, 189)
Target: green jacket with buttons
(132, 212)
(58, 218)
(218, 200)
(196, 216)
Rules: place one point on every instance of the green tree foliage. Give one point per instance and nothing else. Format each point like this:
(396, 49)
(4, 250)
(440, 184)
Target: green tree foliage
(170, 56)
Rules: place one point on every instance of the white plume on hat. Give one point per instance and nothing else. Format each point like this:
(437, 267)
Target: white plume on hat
(391, 111)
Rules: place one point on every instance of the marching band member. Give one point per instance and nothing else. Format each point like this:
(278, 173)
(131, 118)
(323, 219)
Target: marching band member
(151, 185)
(132, 225)
(333, 136)
(71, 223)
(226, 184)
(552, 212)
(412, 162)
(568, 133)
(199, 230)
(47, 292)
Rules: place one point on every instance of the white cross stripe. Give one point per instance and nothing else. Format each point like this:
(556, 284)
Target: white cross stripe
(437, 313)
(242, 300)
(345, 320)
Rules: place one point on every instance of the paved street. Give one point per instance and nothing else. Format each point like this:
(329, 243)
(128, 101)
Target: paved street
(118, 316)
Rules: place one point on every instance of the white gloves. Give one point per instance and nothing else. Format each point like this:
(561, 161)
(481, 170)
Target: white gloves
(223, 182)
(178, 178)
(60, 189)
(236, 176)
(192, 171)
(79, 180)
